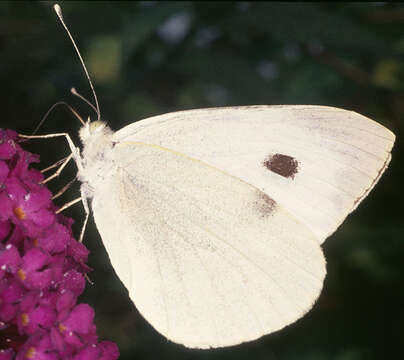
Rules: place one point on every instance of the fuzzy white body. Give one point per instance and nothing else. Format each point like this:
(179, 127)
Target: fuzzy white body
(97, 157)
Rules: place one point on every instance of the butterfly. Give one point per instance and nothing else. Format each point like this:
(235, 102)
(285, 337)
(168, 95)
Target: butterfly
(213, 219)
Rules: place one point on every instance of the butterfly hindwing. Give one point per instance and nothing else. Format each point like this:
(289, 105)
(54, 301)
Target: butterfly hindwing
(208, 259)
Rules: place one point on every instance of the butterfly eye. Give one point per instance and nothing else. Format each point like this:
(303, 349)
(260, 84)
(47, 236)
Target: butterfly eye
(96, 126)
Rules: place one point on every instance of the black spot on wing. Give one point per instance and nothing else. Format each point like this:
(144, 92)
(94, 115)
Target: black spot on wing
(283, 165)
(265, 205)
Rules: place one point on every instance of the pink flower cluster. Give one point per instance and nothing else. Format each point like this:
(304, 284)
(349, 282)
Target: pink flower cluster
(42, 270)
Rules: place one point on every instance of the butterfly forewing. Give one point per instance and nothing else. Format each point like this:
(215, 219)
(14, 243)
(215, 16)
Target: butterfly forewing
(318, 162)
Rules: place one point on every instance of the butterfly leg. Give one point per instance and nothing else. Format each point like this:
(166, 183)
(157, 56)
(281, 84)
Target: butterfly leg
(57, 163)
(59, 170)
(62, 191)
(83, 228)
(75, 201)
(75, 154)
(83, 199)
(87, 211)
(67, 205)
(75, 151)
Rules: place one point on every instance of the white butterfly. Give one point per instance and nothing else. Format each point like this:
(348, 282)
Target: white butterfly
(213, 219)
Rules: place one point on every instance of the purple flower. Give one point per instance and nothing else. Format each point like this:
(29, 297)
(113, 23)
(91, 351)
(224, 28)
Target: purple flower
(11, 293)
(42, 270)
(5, 227)
(6, 354)
(73, 281)
(26, 207)
(54, 239)
(38, 347)
(36, 272)
(103, 351)
(4, 170)
(31, 177)
(16, 237)
(76, 326)
(10, 260)
(36, 318)
(8, 145)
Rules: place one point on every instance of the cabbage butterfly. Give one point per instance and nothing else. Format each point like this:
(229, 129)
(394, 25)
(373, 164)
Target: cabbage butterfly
(213, 219)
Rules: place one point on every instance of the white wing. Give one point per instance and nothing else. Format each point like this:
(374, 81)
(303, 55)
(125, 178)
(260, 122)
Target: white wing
(317, 162)
(208, 259)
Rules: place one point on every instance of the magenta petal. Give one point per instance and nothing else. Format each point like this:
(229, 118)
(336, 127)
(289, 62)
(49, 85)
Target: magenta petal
(57, 271)
(109, 350)
(7, 134)
(74, 281)
(39, 279)
(42, 218)
(68, 222)
(10, 296)
(28, 228)
(6, 354)
(7, 149)
(6, 206)
(7, 312)
(25, 158)
(66, 301)
(29, 301)
(37, 200)
(88, 353)
(5, 228)
(78, 251)
(17, 236)
(55, 239)
(36, 274)
(33, 177)
(9, 259)
(44, 316)
(71, 338)
(35, 259)
(91, 336)
(38, 347)
(48, 298)
(57, 340)
(15, 189)
(12, 293)
(80, 319)
(41, 317)
(4, 170)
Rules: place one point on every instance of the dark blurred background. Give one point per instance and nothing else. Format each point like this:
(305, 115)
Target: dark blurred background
(148, 58)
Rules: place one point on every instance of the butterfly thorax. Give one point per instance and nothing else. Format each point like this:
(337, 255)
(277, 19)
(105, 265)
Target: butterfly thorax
(96, 156)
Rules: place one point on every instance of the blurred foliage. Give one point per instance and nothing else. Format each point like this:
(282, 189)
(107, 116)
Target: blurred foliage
(147, 58)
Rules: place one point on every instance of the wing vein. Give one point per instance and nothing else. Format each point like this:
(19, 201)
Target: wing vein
(221, 209)
(248, 259)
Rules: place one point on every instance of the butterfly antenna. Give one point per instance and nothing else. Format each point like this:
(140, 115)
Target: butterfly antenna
(75, 93)
(58, 11)
(51, 108)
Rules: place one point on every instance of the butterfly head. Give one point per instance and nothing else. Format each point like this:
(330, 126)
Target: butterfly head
(93, 130)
